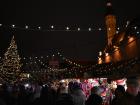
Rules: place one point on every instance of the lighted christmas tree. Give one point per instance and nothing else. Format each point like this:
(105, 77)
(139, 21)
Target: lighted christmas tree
(10, 68)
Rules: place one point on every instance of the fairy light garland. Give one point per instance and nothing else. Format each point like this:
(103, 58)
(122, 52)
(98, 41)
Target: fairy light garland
(55, 28)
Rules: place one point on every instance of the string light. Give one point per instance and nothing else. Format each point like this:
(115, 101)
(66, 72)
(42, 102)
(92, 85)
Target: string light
(67, 28)
(13, 25)
(108, 69)
(106, 54)
(100, 53)
(138, 32)
(26, 27)
(117, 32)
(39, 28)
(100, 29)
(70, 62)
(78, 29)
(89, 29)
(52, 26)
(135, 27)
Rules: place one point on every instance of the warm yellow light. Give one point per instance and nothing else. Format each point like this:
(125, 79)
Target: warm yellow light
(100, 61)
(107, 58)
(106, 54)
(116, 48)
(130, 39)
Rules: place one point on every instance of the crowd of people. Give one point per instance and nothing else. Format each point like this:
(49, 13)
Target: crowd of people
(71, 94)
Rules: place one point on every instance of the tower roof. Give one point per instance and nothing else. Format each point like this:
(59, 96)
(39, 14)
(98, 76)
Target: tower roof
(109, 8)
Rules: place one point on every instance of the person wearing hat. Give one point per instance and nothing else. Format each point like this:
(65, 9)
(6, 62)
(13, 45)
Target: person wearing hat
(130, 96)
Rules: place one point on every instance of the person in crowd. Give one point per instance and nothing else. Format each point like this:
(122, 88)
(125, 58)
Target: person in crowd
(22, 96)
(47, 97)
(94, 98)
(70, 87)
(64, 98)
(37, 91)
(131, 95)
(119, 92)
(77, 94)
(5, 95)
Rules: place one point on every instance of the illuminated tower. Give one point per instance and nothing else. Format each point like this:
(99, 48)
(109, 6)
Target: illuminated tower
(110, 20)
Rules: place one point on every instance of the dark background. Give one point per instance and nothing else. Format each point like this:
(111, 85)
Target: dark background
(73, 13)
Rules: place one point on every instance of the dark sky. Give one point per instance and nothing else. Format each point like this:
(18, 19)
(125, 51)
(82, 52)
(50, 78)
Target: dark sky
(74, 13)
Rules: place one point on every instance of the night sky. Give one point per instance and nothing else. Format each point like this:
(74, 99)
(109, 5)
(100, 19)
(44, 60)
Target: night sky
(74, 13)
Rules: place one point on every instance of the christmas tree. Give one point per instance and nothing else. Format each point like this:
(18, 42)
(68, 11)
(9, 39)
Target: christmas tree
(10, 67)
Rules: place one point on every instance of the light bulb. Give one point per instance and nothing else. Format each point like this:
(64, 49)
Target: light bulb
(100, 29)
(100, 53)
(39, 28)
(13, 25)
(52, 26)
(67, 28)
(106, 54)
(78, 29)
(117, 32)
(89, 29)
(26, 27)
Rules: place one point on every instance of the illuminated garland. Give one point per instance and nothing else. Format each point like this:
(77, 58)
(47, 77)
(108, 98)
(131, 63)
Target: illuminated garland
(69, 61)
(104, 70)
(56, 28)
